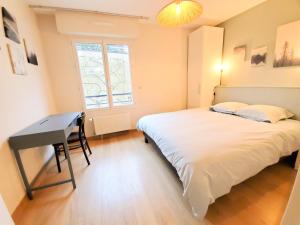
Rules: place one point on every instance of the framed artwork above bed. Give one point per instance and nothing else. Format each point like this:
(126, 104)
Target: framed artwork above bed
(30, 53)
(17, 59)
(259, 56)
(10, 26)
(287, 50)
(240, 52)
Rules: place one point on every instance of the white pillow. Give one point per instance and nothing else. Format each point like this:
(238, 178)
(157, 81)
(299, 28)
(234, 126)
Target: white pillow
(264, 113)
(228, 107)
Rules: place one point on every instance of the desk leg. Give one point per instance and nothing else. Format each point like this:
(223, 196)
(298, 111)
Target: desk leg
(23, 174)
(66, 148)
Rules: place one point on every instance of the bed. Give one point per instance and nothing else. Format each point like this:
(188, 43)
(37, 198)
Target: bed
(212, 151)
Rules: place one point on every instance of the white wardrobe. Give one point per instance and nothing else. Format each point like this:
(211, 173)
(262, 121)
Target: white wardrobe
(205, 48)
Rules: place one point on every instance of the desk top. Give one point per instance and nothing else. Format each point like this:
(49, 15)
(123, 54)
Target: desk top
(51, 123)
(46, 131)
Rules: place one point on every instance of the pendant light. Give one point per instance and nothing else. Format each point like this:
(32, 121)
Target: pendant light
(179, 12)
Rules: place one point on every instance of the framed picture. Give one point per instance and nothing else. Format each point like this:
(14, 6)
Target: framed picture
(259, 56)
(240, 52)
(10, 26)
(287, 51)
(17, 59)
(30, 53)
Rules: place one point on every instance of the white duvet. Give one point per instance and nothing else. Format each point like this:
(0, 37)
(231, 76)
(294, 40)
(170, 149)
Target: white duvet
(213, 151)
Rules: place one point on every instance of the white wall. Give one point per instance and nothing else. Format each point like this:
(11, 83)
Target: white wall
(257, 27)
(159, 69)
(23, 100)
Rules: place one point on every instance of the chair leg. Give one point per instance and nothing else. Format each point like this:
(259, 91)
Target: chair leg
(57, 159)
(87, 145)
(64, 152)
(84, 152)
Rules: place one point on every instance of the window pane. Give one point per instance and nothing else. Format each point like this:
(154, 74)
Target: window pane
(120, 76)
(92, 75)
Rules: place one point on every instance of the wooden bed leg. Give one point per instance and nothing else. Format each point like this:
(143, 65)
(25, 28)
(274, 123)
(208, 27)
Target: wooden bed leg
(146, 140)
(297, 163)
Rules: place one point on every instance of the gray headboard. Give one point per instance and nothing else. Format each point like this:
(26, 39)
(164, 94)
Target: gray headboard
(286, 97)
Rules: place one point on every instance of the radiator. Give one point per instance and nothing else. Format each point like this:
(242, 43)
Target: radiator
(111, 123)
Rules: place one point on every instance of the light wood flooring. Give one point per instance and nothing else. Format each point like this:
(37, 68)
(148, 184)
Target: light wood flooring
(130, 183)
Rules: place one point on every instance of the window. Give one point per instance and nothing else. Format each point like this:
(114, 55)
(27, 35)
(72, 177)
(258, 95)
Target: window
(105, 74)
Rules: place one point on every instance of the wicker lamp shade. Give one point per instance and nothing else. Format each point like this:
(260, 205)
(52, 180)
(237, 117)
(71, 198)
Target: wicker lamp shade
(179, 12)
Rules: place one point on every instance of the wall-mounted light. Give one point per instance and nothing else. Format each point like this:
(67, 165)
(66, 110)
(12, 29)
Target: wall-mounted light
(221, 68)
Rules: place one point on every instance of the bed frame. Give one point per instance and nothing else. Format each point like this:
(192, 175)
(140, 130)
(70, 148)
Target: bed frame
(286, 97)
(149, 140)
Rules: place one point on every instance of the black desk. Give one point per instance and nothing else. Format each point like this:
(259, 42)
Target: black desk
(53, 129)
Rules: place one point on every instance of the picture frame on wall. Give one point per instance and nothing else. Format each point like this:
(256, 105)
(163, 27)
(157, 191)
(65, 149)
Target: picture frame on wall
(287, 50)
(30, 53)
(17, 59)
(10, 26)
(240, 52)
(259, 56)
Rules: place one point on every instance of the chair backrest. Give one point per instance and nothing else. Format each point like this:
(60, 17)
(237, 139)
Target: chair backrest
(80, 124)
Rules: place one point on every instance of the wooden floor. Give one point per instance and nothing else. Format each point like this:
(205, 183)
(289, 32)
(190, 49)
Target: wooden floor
(129, 183)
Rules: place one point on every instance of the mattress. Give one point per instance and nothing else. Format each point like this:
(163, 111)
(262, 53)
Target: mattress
(212, 152)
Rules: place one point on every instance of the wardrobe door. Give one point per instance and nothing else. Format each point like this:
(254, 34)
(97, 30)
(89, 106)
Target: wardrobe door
(194, 67)
(204, 54)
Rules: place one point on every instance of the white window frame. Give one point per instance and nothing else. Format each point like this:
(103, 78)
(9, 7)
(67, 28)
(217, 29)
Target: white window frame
(103, 43)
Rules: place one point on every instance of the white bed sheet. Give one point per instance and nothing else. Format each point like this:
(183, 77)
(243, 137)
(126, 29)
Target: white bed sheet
(213, 151)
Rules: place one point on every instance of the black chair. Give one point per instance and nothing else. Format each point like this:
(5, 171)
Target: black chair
(75, 140)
